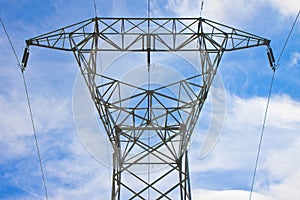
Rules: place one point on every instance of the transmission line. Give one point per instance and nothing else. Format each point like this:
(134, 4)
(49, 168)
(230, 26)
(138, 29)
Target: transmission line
(288, 37)
(29, 108)
(261, 136)
(274, 67)
(11, 45)
(35, 135)
(95, 8)
(201, 8)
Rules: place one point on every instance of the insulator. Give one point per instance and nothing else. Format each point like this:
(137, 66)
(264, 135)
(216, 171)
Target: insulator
(271, 58)
(272, 55)
(148, 56)
(25, 58)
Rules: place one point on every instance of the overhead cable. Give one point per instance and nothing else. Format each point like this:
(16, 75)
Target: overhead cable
(22, 67)
(274, 66)
(288, 37)
(261, 136)
(201, 8)
(95, 8)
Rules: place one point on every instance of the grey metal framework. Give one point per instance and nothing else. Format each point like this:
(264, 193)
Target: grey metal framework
(148, 125)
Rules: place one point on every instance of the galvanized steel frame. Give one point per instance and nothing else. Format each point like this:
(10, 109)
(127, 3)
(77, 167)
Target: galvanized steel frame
(126, 123)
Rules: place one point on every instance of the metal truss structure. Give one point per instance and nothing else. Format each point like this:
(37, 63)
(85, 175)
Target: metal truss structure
(148, 125)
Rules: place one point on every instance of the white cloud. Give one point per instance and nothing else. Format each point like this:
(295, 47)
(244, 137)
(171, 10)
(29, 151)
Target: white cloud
(220, 10)
(287, 7)
(283, 168)
(236, 144)
(278, 170)
(70, 172)
(236, 149)
(51, 113)
(295, 58)
(15, 124)
(15, 127)
(258, 15)
(288, 188)
(283, 112)
(226, 195)
(12, 118)
(78, 176)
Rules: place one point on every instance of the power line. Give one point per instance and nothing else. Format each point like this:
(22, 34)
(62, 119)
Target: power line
(287, 39)
(201, 8)
(261, 136)
(11, 45)
(148, 11)
(30, 110)
(95, 8)
(274, 67)
(35, 136)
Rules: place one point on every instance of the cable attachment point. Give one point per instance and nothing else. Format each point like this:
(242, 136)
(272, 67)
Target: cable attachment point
(25, 58)
(271, 58)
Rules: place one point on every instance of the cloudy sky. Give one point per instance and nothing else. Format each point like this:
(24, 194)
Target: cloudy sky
(75, 169)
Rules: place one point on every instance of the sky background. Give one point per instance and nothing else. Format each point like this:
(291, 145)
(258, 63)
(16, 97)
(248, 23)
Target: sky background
(73, 172)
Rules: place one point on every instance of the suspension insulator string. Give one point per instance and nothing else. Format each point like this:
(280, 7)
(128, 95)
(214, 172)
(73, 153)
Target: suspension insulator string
(22, 67)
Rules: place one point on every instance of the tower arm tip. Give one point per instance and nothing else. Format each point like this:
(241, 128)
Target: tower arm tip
(28, 42)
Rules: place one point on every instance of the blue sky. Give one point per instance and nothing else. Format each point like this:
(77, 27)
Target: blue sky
(73, 172)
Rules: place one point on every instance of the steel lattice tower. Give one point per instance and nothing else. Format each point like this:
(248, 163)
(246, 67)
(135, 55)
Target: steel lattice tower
(130, 118)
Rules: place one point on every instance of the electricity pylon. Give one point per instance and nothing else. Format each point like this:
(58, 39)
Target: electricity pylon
(148, 125)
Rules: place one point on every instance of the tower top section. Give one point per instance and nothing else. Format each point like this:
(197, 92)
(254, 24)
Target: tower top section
(148, 34)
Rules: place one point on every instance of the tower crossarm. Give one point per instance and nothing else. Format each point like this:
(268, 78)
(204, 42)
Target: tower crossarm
(229, 38)
(164, 34)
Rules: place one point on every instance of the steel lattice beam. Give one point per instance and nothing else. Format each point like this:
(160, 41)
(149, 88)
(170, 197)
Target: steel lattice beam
(131, 34)
(166, 120)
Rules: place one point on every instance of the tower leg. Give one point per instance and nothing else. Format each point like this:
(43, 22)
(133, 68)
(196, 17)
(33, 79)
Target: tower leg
(116, 178)
(184, 178)
(175, 178)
